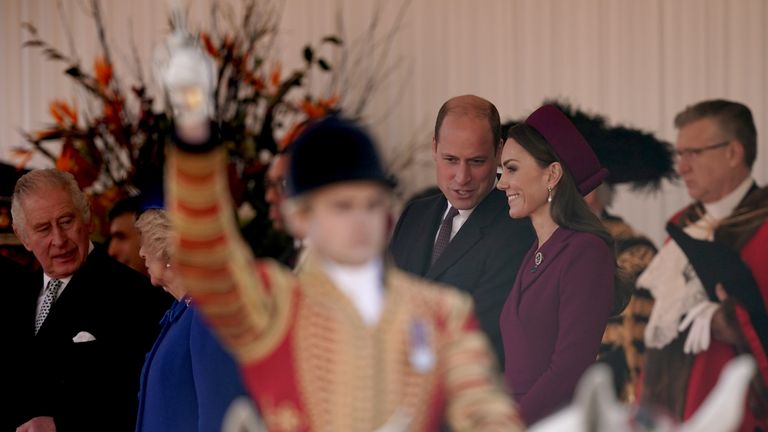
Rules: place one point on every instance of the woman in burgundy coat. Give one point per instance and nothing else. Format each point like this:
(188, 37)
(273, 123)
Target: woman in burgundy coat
(556, 312)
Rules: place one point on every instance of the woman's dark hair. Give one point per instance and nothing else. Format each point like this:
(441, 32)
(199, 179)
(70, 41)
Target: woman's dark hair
(568, 208)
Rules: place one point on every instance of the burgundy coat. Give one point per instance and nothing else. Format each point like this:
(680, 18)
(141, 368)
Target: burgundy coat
(554, 319)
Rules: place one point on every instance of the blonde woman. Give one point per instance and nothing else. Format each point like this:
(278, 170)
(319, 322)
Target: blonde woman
(188, 381)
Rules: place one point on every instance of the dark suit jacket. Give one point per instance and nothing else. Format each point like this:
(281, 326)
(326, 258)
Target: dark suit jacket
(90, 385)
(14, 277)
(482, 259)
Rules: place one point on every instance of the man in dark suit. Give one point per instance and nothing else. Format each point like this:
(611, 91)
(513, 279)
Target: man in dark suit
(13, 275)
(481, 248)
(88, 320)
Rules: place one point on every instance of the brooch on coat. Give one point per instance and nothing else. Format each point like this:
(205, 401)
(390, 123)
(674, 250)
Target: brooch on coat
(537, 259)
(420, 355)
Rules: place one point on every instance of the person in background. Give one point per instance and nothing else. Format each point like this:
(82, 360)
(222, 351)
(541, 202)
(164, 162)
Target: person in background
(123, 238)
(692, 333)
(275, 194)
(461, 236)
(89, 321)
(188, 380)
(557, 310)
(623, 346)
(274, 189)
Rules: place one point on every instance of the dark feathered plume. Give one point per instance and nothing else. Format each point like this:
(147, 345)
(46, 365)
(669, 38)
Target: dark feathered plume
(632, 156)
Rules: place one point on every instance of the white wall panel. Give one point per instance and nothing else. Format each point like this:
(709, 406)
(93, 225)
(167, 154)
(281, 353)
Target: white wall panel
(637, 61)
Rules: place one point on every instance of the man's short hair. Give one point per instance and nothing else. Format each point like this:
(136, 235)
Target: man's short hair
(473, 105)
(734, 119)
(125, 206)
(35, 180)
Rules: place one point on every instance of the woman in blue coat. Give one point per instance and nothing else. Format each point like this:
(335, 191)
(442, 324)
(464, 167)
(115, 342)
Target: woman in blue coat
(188, 380)
(555, 315)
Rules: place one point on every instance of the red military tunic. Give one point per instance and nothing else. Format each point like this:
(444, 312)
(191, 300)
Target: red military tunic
(309, 360)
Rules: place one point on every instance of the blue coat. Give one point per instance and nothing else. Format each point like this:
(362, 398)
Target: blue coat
(188, 380)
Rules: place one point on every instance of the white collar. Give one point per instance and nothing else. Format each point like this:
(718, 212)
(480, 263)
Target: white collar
(362, 284)
(463, 214)
(64, 281)
(723, 207)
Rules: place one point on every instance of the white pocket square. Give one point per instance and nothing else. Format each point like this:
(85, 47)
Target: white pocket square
(83, 336)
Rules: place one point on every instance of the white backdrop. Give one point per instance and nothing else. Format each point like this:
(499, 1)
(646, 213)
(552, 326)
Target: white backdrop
(637, 61)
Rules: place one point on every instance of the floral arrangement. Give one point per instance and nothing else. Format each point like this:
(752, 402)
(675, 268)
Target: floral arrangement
(119, 150)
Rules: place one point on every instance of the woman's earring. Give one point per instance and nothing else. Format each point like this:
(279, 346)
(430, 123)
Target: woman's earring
(549, 194)
(168, 266)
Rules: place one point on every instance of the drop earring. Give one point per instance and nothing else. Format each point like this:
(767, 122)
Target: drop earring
(549, 194)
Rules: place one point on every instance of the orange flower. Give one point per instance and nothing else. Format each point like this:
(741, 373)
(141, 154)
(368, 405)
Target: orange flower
(103, 71)
(72, 161)
(63, 113)
(23, 155)
(229, 43)
(66, 160)
(209, 45)
(291, 135)
(112, 111)
(275, 76)
(320, 108)
(330, 102)
(255, 81)
(108, 198)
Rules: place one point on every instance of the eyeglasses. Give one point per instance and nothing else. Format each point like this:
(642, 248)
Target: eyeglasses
(690, 154)
(279, 184)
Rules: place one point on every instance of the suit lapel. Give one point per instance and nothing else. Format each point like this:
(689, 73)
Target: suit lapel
(552, 248)
(470, 233)
(78, 295)
(424, 239)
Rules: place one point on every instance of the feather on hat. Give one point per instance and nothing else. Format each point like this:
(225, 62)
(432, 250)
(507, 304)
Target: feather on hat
(631, 156)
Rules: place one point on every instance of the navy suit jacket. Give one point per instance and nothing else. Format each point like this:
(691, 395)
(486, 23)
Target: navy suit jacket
(482, 259)
(188, 380)
(89, 386)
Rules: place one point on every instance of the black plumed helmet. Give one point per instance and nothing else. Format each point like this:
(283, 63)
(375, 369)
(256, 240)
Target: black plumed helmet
(330, 151)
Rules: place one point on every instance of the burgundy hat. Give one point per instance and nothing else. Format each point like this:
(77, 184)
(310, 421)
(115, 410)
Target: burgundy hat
(570, 146)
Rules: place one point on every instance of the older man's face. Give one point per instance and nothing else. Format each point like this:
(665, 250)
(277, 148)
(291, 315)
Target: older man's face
(55, 231)
(702, 163)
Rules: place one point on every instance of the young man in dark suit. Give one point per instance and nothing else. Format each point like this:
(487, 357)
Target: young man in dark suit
(480, 249)
(88, 321)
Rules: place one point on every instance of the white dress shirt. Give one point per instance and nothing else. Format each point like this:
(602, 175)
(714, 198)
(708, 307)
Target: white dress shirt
(363, 285)
(64, 283)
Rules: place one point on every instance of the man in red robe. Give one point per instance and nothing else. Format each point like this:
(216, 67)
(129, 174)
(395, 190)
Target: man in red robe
(691, 335)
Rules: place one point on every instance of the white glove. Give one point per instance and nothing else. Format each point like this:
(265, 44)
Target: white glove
(699, 318)
(187, 74)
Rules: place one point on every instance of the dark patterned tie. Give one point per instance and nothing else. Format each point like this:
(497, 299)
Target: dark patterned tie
(51, 292)
(444, 235)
